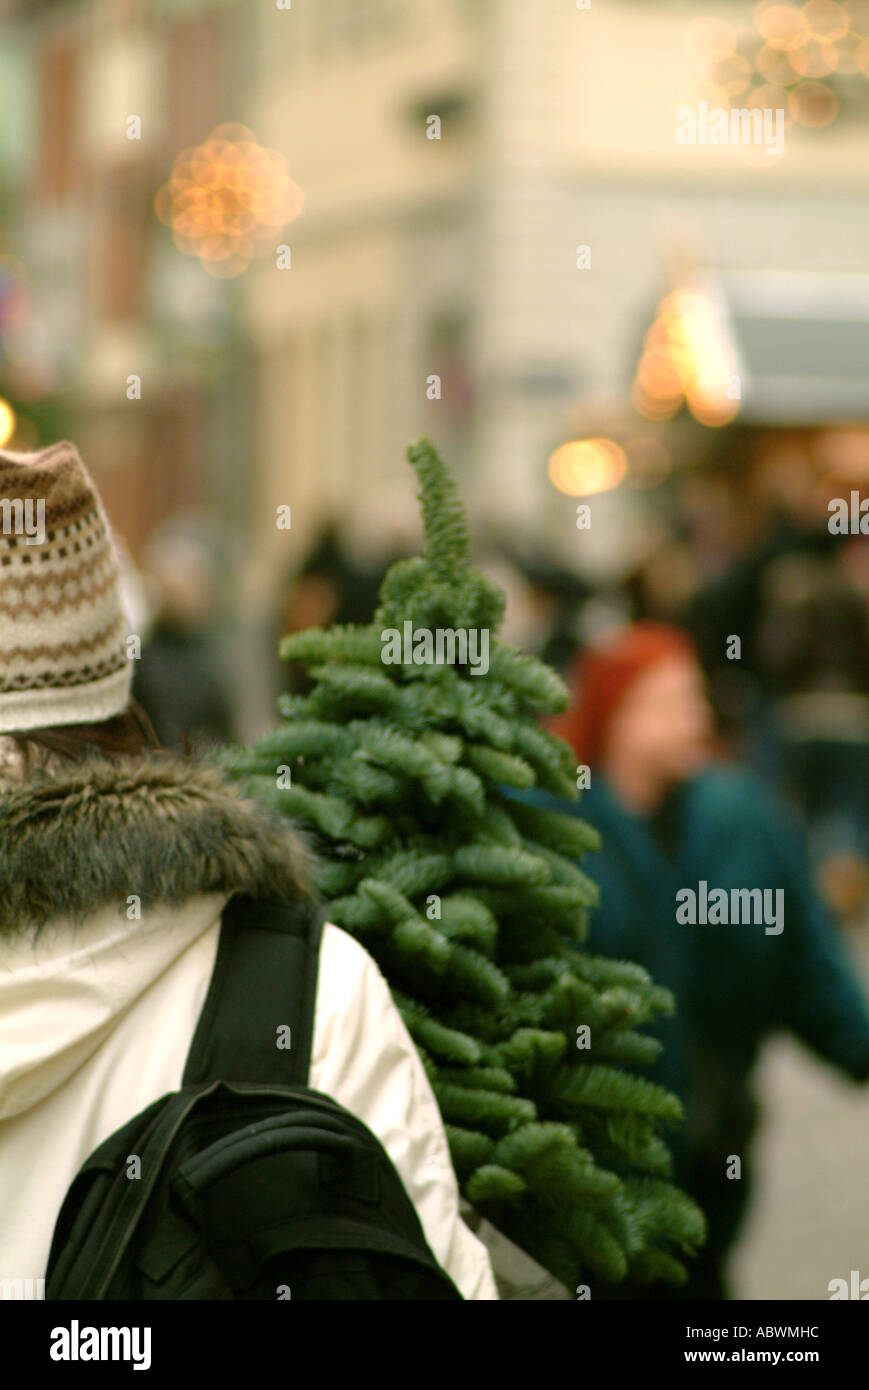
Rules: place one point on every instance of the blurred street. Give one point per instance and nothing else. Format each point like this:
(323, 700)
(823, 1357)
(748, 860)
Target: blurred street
(809, 1220)
(607, 265)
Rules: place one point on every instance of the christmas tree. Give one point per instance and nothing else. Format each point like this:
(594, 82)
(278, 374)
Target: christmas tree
(475, 908)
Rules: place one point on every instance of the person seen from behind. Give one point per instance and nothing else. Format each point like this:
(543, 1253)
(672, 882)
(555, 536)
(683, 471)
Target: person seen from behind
(676, 824)
(117, 861)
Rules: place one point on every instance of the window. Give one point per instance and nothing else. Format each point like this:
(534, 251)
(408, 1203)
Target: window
(58, 75)
(124, 210)
(194, 80)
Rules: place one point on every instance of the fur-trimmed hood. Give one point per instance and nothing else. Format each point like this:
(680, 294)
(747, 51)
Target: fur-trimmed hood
(114, 874)
(99, 1007)
(160, 826)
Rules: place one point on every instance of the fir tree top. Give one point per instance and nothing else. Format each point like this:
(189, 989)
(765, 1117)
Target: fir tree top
(439, 588)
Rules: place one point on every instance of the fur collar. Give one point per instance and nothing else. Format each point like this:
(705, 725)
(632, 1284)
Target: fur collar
(161, 826)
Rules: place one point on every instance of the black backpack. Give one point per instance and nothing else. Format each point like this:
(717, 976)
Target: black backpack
(250, 1185)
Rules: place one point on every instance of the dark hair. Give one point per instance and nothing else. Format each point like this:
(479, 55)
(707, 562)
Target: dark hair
(129, 732)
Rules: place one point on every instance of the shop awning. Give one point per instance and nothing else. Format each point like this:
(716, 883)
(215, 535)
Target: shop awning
(760, 347)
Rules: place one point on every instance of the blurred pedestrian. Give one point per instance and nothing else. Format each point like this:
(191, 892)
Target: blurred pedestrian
(813, 658)
(179, 679)
(676, 825)
(330, 587)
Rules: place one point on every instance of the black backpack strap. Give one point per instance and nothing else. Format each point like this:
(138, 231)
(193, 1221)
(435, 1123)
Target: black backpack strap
(264, 977)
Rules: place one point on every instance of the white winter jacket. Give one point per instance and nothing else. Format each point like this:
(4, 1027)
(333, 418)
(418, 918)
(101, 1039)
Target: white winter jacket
(98, 1011)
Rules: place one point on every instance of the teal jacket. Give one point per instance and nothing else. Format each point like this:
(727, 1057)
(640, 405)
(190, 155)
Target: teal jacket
(735, 982)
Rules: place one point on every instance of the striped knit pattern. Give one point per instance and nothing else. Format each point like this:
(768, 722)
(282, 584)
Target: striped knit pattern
(63, 630)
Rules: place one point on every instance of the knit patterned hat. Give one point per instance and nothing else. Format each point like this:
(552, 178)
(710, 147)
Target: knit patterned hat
(63, 630)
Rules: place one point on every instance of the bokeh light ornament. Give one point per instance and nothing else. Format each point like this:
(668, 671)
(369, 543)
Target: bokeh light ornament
(796, 56)
(227, 199)
(687, 359)
(7, 422)
(582, 467)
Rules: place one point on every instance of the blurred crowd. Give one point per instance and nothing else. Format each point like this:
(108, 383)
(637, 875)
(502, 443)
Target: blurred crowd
(746, 563)
(777, 604)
